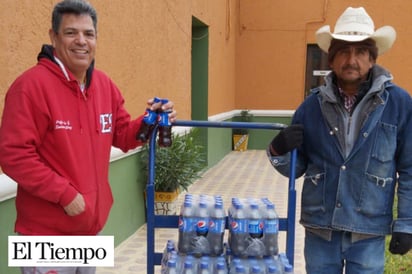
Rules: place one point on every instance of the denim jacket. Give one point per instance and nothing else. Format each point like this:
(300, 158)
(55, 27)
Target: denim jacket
(352, 164)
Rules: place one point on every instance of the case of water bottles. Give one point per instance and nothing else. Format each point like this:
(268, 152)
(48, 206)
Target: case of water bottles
(252, 246)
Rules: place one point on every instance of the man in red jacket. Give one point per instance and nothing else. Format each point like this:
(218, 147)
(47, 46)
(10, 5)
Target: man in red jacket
(60, 120)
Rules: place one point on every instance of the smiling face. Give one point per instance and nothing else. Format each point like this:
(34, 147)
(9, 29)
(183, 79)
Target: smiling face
(75, 43)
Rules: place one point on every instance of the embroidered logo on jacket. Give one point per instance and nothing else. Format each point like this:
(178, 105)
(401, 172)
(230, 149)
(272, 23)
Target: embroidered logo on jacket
(60, 124)
(106, 122)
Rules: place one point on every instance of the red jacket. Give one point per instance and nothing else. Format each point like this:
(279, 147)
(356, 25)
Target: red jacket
(56, 142)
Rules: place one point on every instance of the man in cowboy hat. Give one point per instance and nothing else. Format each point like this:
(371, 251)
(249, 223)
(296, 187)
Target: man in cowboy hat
(354, 141)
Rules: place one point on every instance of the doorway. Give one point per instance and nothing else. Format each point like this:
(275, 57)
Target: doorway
(316, 67)
(200, 68)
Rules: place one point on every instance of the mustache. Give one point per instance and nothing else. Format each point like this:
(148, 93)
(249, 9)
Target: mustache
(350, 67)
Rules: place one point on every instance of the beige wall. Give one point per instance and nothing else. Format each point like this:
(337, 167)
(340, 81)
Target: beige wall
(257, 49)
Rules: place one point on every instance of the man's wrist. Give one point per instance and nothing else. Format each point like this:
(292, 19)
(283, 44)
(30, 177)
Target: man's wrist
(68, 196)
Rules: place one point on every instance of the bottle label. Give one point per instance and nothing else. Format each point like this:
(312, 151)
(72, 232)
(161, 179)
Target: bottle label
(255, 227)
(164, 119)
(238, 226)
(202, 227)
(186, 224)
(150, 117)
(271, 226)
(217, 226)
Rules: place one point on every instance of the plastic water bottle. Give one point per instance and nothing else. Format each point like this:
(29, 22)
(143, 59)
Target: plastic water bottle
(284, 263)
(255, 247)
(255, 225)
(270, 230)
(149, 119)
(271, 263)
(203, 218)
(272, 269)
(189, 267)
(255, 269)
(219, 265)
(288, 269)
(216, 229)
(174, 256)
(283, 259)
(204, 266)
(187, 222)
(238, 231)
(165, 127)
(200, 243)
(232, 266)
(240, 269)
(170, 246)
(171, 267)
(220, 268)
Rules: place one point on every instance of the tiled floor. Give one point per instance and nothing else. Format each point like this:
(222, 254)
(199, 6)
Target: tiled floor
(239, 174)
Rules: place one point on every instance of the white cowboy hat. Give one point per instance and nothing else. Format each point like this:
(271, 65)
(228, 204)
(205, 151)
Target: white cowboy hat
(356, 25)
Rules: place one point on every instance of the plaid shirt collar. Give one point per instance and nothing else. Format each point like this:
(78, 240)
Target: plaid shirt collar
(348, 100)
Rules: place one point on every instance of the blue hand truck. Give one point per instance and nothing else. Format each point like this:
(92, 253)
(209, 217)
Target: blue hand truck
(161, 221)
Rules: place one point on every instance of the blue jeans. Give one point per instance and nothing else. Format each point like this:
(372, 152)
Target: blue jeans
(331, 257)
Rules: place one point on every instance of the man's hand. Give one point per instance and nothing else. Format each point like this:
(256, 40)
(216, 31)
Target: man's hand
(287, 140)
(166, 107)
(76, 206)
(400, 243)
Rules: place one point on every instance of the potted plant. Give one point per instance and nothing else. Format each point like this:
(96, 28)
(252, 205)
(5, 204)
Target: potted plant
(241, 135)
(176, 167)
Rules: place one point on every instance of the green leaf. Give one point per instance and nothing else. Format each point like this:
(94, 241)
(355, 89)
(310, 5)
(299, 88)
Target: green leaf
(177, 166)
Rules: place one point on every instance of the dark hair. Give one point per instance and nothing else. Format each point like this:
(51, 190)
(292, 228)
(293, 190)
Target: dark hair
(78, 7)
(337, 45)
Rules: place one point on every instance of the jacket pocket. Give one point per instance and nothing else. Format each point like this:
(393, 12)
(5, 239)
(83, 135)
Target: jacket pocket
(377, 196)
(83, 222)
(385, 142)
(313, 193)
